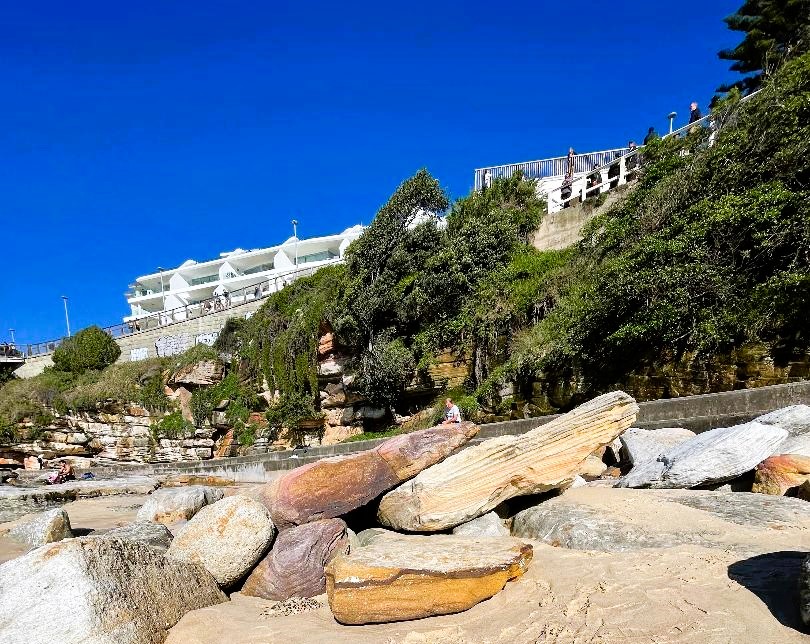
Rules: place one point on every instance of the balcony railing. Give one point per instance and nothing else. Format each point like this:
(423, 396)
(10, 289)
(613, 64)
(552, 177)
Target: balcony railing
(546, 167)
(208, 306)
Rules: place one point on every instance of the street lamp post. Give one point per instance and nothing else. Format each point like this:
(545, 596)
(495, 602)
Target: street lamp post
(295, 234)
(67, 319)
(671, 118)
(162, 292)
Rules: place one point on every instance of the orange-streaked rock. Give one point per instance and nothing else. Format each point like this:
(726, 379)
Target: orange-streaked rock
(777, 474)
(478, 479)
(399, 577)
(334, 486)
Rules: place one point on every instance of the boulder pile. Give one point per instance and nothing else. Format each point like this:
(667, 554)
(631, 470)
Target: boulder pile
(295, 539)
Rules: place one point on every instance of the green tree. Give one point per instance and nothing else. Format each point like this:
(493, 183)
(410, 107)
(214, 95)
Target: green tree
(775, 31)
(90, 348)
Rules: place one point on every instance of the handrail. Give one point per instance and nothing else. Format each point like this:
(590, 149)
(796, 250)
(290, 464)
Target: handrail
(621, 178)
(555, 166)
(208, 306)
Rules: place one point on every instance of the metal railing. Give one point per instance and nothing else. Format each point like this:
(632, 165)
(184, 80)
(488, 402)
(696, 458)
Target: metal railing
(583, 188)
(556, 166)
(208, 306)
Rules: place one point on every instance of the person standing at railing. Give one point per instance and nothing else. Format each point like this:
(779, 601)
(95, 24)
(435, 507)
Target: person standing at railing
(631, 162)
(694, 117)
(652, 135)
(594, 179)
(567, 185)
(487, 183)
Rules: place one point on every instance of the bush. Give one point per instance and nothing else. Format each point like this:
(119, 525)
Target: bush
(90, 348)
(172, 426)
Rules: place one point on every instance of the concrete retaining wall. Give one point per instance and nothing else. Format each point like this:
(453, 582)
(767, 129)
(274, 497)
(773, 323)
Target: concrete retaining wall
(698, 413)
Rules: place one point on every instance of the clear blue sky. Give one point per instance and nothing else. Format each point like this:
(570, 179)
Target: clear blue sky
(142, 134)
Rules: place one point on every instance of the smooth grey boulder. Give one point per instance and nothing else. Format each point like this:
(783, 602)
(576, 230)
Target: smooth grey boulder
(45, 527)
(711, 457)
(487, 525)
(170, 505)
(227, 538)
(804, 591)
(795, 419)
(643, 445)
(620, 520)
(155, 535)
(98, 591)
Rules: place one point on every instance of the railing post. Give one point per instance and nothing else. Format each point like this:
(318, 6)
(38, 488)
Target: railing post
(622, 170)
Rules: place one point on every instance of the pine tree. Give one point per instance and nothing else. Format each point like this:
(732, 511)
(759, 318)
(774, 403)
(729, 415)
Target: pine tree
(775, 30)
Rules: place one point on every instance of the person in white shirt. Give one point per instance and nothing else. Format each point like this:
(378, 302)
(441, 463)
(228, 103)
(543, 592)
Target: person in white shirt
(452, 415)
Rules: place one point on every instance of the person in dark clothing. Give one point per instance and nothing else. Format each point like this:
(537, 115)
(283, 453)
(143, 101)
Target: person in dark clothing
(631, 162)
(651, 136)
(694, 113)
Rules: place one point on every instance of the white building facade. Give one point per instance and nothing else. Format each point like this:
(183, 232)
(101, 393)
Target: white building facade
(196, 288)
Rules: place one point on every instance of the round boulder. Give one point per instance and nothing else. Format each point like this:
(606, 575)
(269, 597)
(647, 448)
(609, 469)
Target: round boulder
(227, 538)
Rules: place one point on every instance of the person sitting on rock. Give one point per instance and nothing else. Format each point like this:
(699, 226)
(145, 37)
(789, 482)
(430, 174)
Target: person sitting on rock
(66, 473)
(452, 415)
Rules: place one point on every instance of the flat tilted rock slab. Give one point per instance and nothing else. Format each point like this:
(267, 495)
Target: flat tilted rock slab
(73, 490)
(476, 480)
(332, 487)
(398, 577)
(624, 520)
(711, 457)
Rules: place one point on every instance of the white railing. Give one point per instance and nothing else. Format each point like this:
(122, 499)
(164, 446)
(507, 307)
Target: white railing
(214, 304)
(544, 167)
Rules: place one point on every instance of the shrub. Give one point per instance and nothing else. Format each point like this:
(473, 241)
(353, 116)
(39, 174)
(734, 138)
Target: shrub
(172, 426)
(90, 348)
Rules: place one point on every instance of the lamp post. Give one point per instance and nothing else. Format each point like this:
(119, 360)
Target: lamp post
(162, 292)
(67, 319)
(295, 234)
(671, 118)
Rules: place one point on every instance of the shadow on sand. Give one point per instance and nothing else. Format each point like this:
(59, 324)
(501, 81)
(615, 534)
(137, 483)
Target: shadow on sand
(774, 578)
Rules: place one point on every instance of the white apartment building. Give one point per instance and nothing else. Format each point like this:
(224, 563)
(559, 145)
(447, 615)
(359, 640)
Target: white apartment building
(237, 276)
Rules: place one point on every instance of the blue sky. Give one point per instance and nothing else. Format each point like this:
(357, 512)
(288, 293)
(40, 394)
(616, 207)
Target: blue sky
(137, 135)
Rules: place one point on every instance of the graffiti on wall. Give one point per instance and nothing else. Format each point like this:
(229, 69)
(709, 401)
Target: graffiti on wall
(172, 345)
(139, 353)
(207, 338)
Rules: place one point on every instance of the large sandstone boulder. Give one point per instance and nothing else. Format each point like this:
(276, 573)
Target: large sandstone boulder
(154, 535)
(332, 487)
(38, 529)
(295, 565)
(170, 505)
(778, 474)
(488, 525)
(204, 372)
(711, 457)
(98, 591)
(476, 480)
(619, 520)
(227, 538)
(399, 577)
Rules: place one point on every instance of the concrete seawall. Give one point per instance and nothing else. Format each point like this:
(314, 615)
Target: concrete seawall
(698, 413)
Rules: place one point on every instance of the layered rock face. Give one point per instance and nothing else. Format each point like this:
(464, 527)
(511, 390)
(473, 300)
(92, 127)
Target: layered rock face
(399, 577)
(103, 591)
(154, 535)
(334, 486)
(227, 538)
(295, 566)
(476, 480)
